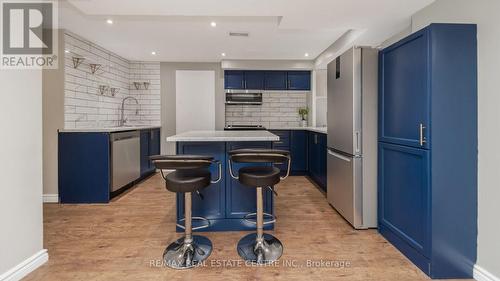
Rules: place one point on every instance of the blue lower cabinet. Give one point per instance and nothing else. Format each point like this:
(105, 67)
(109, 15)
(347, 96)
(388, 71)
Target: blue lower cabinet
(227, 202)
(212, 206)
(298, 151)
(150, 145)
(84, 167)
(145, 163)
(154, 145)
(404, 198)
(317, 158)
(241, 199)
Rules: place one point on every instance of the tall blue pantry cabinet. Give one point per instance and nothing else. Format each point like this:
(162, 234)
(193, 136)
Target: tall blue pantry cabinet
(428, 148)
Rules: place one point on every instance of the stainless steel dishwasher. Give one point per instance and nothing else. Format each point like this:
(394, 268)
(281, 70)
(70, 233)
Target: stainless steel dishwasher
(125, 158)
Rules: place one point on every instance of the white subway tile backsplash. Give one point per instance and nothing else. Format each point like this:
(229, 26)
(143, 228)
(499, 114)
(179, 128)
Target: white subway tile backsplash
(86, 107)
(278, 110)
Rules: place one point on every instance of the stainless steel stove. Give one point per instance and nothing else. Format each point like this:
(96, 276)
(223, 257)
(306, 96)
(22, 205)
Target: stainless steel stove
(244, 127)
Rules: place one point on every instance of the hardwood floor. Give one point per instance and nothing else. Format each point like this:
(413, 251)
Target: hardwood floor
(124, 239)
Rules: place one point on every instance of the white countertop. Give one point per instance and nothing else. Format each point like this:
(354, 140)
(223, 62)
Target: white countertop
(312, 129)
(223, 136)
(107, 130)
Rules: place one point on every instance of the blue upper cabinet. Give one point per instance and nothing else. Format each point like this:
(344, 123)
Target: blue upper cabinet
(299, 80)
(267, 80)
(276, 80)
(404, 88)
(254, 80)
(234, 79)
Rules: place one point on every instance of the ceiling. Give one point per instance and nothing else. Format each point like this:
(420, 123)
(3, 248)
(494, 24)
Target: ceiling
(180, 30)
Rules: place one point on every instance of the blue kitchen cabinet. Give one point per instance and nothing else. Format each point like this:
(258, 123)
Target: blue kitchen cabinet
(150, 145)
(145, 162)
(227, 202)
(317, 158)
(283, 144)
(254, 80)
(234, 79)
(241, 199)
(275, 80)
(404, 199)
(299, 80)
(404, 99)
(427, 186)
(212, 206)
(84, 167)
(298, 151)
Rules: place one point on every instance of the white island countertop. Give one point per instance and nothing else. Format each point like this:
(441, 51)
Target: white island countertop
(224, 136)
(322, 130)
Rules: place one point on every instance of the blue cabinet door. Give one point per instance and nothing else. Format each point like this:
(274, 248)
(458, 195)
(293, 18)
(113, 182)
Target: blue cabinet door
(212, 205)
(299, 80)
(322, 161)
(404, 91)
(154, 145)
(234, 79)
(241, 199)
(313, 155)
(275, 80)
(404, 194)
(298, 151)
(254, 80)
(144, 142)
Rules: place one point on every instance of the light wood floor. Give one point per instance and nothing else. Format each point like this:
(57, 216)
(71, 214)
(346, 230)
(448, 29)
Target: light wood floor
(121, 240)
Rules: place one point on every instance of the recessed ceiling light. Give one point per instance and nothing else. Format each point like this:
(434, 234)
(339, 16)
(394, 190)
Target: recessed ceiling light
(213, 24)
(306, 54)
(153, 53)
(223, 54)
(66, 51)
(109, 21)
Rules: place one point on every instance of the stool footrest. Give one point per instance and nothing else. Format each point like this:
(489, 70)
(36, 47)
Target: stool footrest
(197, 219)
(271, 218)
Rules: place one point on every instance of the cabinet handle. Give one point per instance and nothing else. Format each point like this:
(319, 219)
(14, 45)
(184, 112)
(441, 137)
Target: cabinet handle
(242, 84)
(288, 84)
(422, 139)
(315, 139)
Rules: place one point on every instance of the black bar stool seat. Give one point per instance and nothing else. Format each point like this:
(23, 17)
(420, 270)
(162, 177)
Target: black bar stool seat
(259, 176)
(187, 180)
(191, 174)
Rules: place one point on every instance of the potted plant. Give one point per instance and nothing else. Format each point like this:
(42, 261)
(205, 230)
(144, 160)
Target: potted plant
(303, 112)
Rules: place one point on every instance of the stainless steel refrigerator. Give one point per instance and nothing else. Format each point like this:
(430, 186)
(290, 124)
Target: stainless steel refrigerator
(352, 136)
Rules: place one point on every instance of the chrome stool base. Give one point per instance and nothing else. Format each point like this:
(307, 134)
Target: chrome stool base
(268, 250)
(183, 255)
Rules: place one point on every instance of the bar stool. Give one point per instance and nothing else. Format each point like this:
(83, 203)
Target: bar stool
(259, 247)
(191, 175)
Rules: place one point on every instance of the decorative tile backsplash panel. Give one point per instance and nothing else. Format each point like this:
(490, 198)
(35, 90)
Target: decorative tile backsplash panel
(278, 110)
(94, 99)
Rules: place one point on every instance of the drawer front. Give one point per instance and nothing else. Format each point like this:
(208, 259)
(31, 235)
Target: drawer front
(284, 139)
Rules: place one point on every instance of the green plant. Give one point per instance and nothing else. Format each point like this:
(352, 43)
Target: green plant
(303, 112)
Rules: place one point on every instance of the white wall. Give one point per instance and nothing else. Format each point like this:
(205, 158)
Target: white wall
(194, 100)
(20, 169)
(485, 14)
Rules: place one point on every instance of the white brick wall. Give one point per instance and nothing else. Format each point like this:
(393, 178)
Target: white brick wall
(278, 110)
(86, 107)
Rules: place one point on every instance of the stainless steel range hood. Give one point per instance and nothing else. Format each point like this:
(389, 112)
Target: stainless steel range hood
(235, 98)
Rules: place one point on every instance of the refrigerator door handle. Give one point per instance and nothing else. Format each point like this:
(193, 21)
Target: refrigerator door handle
(339, 156)
(357, 142)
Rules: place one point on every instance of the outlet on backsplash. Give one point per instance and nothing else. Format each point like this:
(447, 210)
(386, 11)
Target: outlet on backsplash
(278, 110)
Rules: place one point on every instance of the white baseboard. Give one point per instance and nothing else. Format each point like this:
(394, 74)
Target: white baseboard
(51, 198)
(25, 267)
(481, 274)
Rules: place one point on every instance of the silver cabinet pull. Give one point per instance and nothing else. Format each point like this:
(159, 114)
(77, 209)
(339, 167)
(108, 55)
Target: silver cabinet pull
(422, 139)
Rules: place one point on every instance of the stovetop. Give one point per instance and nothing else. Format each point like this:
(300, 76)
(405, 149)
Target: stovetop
(244, 127)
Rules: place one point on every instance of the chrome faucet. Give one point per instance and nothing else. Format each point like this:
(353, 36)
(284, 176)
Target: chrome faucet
(122, 117)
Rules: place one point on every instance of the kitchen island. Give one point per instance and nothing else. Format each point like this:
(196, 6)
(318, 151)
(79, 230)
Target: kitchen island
(225, 203)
